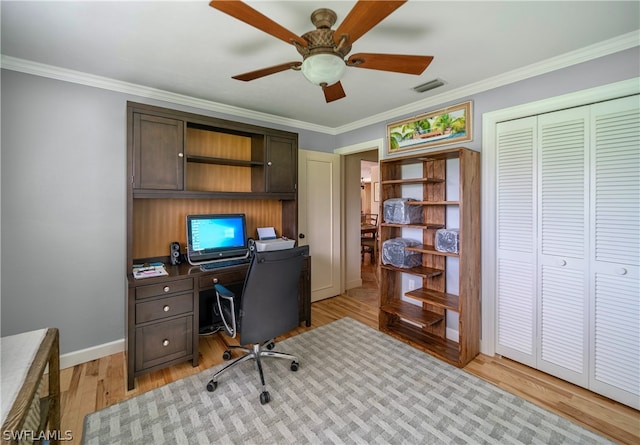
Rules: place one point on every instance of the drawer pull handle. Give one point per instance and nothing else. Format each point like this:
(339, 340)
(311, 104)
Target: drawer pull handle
(166, 308)
(166, 289)
(621, 271)
(215, 281)
(165, 342)
(562, 262)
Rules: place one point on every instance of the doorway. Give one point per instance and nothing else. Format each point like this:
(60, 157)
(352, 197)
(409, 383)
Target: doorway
(369, 209)
(361, 175)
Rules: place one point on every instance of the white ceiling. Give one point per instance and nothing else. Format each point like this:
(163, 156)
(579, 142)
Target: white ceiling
(189, 48)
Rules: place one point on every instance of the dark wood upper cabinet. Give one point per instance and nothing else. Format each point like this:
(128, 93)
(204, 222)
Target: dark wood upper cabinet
(158, 152)
(179, 155)
(282, 164)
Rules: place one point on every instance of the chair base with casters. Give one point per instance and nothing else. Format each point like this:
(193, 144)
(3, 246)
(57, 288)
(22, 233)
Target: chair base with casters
(257, 352)
(266, 309)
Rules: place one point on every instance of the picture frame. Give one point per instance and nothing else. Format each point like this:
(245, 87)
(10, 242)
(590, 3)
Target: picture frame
(376, 191)
(450, 125)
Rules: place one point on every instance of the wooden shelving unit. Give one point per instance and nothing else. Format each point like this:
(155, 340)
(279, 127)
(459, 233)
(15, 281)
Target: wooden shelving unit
(419, 316)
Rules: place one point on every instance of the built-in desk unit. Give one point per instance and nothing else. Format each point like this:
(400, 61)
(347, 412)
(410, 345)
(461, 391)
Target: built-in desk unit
(182, 163)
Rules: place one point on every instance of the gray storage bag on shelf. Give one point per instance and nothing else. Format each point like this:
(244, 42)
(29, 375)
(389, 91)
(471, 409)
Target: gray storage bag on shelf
(447, 240)
(395, 254)
(399, 211)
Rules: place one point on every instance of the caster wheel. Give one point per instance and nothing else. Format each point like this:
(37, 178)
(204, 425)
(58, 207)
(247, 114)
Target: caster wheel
(271, 345)
(294, 366)
(265, 397)
(226, 355)
(211, 386)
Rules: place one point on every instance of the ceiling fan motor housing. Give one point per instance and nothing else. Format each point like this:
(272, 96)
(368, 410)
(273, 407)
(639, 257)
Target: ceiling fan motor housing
(323, 61)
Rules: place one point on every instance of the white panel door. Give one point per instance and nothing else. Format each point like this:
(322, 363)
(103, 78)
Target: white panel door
(563, 147)
(615, 221)
(319, 219)
(516, 240)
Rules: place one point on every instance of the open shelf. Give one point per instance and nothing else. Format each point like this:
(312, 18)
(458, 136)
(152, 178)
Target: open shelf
(440, 299)
(441, 348)
(422, 248)
(223, 161)
(428, 226)
(411, 181)
(422, 271)
(424, 321)
(412, 312)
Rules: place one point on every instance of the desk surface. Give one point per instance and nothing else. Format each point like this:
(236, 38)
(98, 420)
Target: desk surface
(182, 270)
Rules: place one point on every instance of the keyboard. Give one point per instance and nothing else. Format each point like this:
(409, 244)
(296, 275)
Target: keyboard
(224, 263)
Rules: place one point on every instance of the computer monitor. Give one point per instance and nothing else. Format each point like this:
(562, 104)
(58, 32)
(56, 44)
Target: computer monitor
(216, 237)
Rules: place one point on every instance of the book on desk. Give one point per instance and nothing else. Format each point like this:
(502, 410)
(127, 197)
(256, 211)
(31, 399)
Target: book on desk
(148, 271)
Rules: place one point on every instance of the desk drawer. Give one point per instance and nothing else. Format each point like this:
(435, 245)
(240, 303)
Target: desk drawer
(162, 342)
(164, 307)
(166, 287)
(222, 277)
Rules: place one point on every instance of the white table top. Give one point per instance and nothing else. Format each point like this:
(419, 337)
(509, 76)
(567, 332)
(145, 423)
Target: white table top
(17, 353)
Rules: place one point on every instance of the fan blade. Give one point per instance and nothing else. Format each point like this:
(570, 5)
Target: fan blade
(250, 16)
(267, 71)
(364, 16)
(398, 63)
(333, 92)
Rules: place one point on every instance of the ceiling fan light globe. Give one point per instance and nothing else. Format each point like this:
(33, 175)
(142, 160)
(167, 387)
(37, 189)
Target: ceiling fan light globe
(323, 68)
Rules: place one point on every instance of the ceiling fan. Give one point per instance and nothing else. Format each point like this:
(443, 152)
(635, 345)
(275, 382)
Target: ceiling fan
(323, 50)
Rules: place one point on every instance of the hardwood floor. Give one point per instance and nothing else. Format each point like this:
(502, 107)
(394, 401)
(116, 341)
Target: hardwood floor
(94, 385)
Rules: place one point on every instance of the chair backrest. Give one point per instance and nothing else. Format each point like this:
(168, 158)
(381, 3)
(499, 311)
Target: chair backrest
(269, 301)
(370, 218)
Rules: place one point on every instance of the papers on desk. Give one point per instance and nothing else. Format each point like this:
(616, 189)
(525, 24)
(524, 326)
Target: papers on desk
(141, 271)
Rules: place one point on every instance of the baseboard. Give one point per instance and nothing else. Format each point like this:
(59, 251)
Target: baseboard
(452, 335)
(354, 283)
(93, 353)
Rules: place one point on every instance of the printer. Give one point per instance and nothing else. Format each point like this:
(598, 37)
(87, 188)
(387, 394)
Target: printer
(268, 241)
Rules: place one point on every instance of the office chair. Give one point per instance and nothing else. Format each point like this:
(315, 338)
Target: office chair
(267, 308)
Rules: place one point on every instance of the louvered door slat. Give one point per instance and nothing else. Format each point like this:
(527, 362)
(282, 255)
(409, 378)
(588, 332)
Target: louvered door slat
(617, 186)
(615, 257)
(516, 310)
(563, 312)
(516, 239)
(563, 243)
(617, 333)
(563, 141)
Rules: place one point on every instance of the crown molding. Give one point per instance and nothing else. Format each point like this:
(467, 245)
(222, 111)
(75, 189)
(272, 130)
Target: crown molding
(601, 49)
(604, 48)
(78, 77)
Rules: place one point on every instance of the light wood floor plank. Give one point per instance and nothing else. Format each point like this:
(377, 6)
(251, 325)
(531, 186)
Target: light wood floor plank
(95, 385)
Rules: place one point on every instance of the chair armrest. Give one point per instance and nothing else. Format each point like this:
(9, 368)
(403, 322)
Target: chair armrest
(226, 305)
(223, 291)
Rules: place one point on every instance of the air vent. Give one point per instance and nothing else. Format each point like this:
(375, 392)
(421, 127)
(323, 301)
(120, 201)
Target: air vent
(435, 83)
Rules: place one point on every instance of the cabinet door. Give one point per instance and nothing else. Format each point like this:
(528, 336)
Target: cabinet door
(615, 256)
(157, 153)
(282, 165)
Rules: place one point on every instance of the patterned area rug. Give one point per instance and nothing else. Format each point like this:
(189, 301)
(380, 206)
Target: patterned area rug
(355, 385)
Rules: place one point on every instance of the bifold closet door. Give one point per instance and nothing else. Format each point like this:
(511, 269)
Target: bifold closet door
(516, 234)
(563, 244)
(568, 245)
(615, 255)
